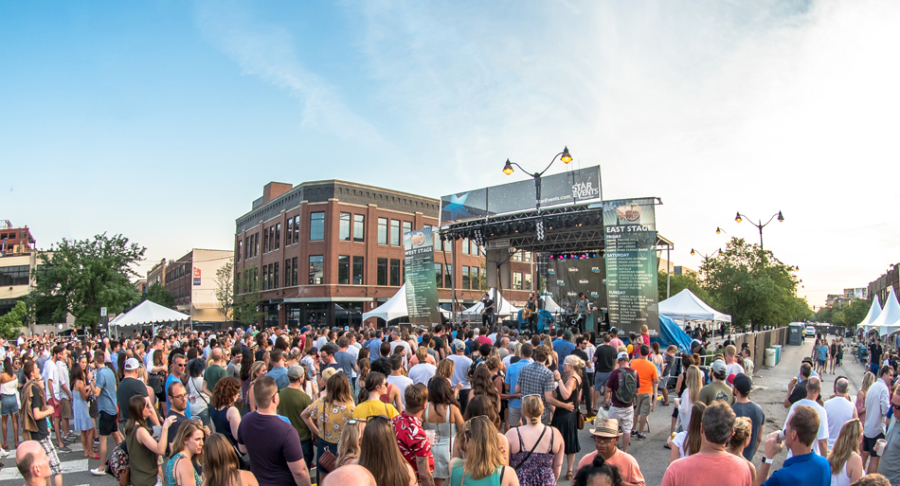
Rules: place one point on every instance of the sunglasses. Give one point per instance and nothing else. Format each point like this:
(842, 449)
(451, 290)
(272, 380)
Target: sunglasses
(356, 421)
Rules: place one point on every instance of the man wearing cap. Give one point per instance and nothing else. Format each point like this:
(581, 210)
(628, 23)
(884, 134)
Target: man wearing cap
(129, 387)
(606, 433)
(292, 402)
(461, 374)
(743, 407)
(622, 411)
(718, 389)
(614, 341)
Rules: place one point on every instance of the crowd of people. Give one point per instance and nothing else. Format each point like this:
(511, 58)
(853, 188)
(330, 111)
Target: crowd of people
(436, 406)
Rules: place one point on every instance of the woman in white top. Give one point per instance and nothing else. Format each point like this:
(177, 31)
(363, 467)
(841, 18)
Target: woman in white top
(687, 443)
(846, 463)
(199, 401)
(692, 386)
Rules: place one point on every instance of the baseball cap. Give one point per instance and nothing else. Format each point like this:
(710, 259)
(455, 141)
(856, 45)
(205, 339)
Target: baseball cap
(460, 346)
(304, 329)
(743, 383)
(295, 372)
(132, 364)
(613, 330)
(807, 359)
(622, 355)
(328, 373)
(718, 366)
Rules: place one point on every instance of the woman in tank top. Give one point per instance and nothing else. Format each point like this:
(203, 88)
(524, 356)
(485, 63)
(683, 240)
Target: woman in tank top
(846, 463)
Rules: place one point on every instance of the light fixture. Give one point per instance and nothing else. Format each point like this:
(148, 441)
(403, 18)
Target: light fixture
(718, 230)
(693, 252)
(507, 169)
(736, 218)
(780, 217)
(566, 158)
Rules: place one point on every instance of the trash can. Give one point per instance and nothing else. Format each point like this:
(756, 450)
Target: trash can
(777, 353)
(770, 358)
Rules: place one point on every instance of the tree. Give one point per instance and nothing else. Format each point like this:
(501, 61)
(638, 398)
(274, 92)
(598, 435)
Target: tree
(12, 322)
(225, 288)
(81, 276)
(158, 294)
(679, 283)
(246, 307)
(849, 315)
(753, 286)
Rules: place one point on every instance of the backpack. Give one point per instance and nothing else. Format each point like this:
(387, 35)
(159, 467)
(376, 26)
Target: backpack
(627, 386)
(472, 368)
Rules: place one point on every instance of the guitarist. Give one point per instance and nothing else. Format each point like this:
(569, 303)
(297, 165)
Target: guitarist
(530, 313)
(582, 309)
(487, 314)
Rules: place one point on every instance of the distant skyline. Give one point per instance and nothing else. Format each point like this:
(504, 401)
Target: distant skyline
(163, 120)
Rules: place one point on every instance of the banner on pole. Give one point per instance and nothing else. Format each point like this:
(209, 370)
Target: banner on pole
(421, 288)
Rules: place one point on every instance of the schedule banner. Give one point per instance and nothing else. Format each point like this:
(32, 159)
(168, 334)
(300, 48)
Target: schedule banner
(421, 288)
(631, 276)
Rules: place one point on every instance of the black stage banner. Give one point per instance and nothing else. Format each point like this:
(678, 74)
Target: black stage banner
(566, 278)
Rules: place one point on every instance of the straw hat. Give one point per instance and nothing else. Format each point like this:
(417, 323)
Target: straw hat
(606, 427)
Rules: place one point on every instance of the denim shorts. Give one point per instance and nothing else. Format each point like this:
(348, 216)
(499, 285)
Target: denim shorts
(8, 405)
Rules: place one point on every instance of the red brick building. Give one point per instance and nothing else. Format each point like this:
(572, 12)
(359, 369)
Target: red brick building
(324, 252)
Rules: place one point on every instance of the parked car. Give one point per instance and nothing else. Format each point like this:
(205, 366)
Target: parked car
(810, 331)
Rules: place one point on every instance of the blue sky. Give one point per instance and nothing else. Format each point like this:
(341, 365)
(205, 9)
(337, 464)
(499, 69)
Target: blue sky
(163, 120)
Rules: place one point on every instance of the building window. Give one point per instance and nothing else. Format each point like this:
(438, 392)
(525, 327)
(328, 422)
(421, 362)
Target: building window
(476, 280)
(517, 256)
(247, 247)
(526, 257)
(265, 279)
(297, 229)
(316, 269)
(359, 227)
(382, 271)
(474, 247)
(395, 273)
(448, 277)
(527, 281)
(266, 241)
(465, 246)
(358, 270)
(438, 275)
(407, 227)
(344, 234)
(294, 271)
(465, 277)
(344, 269)
(277, 235)
(317, 226)
(240, 245)
(14, 275)
(287, 272)
(438, 244)
(289, 234)
(395, 232)
(382, 231)
(275, 277)
(517, 281)
(272, 237)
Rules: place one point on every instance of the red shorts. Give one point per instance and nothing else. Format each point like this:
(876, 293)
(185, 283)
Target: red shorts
(57, 408)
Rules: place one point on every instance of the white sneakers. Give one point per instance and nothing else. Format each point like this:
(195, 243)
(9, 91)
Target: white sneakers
(3, 452)
(98, 472)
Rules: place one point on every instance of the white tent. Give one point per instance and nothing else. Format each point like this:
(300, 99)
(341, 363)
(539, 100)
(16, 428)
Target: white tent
(395, 307)
(874, 312)
(148, 313)
(688, 307)
(504, 309)
(888, 321)
(550, 305)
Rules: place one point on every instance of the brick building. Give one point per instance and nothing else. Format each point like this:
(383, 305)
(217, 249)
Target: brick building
(18, 258)
(348, 240)
(191, 280)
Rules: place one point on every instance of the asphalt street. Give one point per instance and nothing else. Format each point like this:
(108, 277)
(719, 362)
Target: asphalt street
(770, 387)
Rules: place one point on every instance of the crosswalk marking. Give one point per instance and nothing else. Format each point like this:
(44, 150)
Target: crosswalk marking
(78, 465)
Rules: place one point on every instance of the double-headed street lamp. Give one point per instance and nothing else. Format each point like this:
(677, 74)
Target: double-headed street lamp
(740, 217)
(706, 257)
(563, 156)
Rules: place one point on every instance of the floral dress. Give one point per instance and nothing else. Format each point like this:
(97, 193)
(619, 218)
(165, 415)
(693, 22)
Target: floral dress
(331, 419)
(538, 470)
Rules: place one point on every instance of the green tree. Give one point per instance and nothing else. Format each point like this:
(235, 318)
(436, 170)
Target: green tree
(679, 283)
(12, 322)
(246, 307)
(81, 276)
(753, 286)
(849, 315)
(158, 294)
(225, 288)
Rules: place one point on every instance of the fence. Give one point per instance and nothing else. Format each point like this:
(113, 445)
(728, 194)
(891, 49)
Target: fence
(758, 343)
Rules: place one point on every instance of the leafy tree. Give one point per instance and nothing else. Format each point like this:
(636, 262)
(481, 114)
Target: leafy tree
(158, 294)
(12, 322)
(753, 286)
(225, 288)
(246, 307)
(679, 283)
(81, 276)
(850, 315)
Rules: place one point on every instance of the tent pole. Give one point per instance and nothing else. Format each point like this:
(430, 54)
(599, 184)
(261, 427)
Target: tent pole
(668, 274)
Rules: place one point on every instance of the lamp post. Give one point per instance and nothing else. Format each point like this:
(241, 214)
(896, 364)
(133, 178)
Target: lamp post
(740, 217)
(563, 156)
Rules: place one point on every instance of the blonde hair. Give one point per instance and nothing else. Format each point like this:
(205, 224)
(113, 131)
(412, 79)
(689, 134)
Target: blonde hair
(575, 362)
(846, 444)
(348, 445)
(622, 349)
(483, 454)
(730, 351)
(532, 409)
(445, 368)
(693, 383)
(645, 329)
(868, 380)
(743, 429)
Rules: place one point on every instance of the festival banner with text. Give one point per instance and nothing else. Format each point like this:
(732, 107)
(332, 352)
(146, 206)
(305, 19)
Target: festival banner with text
(421, 288)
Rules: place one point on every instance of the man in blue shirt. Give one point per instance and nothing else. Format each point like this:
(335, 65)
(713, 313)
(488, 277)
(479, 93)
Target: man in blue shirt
(563, 347)
(105, 390)
(176, 372)
(512, 377)
(374, 344)
(277, 370)
(805, 467)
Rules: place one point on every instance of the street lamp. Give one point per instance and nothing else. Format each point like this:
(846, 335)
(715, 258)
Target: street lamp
(739, 217)
(706, 257)
(563, 156)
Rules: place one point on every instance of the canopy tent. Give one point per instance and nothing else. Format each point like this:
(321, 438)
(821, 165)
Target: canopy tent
(688, 307)
(148, 313)
(874, 312)
(670, 333)
(550, 305)
(394, 308)
(888, 321)
(504, 309)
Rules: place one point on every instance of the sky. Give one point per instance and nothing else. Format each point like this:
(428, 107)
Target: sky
(162, 120)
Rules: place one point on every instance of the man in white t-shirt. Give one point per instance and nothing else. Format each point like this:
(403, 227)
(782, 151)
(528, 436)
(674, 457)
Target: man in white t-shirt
(732, 365)
(813, 388)
(397, 379)
(461, 373)
(840, 410)
(422, 372)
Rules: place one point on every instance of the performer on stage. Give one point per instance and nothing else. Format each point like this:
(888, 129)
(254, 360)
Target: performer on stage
(530, 314)
(582, 309)
(487, 314)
